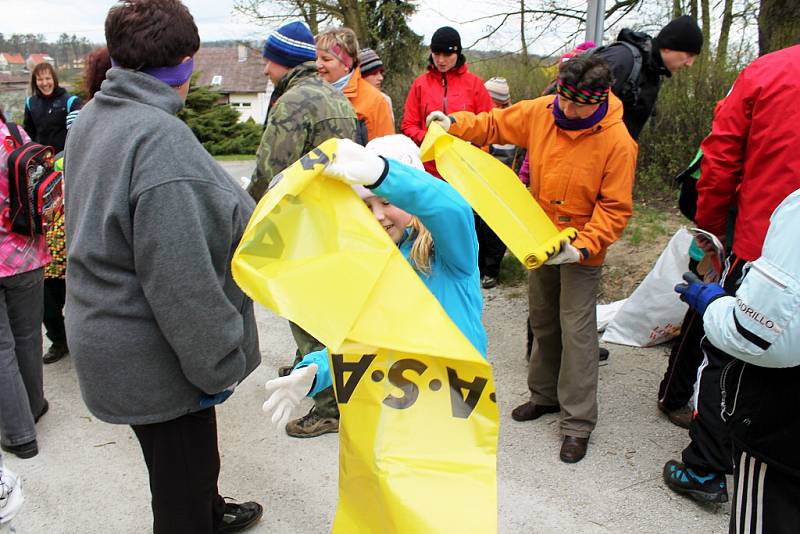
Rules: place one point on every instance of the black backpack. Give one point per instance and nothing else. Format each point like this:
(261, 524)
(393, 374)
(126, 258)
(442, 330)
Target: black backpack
(34, 186)
(636, 43)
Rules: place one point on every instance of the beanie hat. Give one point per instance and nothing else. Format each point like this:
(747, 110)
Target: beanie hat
(682, 34)
(446, 40)
(498, 90)
(397, 147)
(290, 45)
(369, 61)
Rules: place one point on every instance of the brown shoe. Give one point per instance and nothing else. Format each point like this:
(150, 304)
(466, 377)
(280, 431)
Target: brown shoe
(530, 411)
(573, 449)
(311, 425)
(681, 417)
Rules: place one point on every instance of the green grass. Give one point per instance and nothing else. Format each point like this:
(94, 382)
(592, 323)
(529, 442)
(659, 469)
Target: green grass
(512, 272)
(645, 225)
(235, 157)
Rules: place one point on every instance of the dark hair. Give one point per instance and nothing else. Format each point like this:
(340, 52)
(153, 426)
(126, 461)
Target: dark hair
(150, 33)
(586, 70)
(2, 117)
(38, 70)
(98, 61)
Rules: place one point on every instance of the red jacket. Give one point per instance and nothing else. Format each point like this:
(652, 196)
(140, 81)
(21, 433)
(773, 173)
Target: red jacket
(754, 146)
(455, 90)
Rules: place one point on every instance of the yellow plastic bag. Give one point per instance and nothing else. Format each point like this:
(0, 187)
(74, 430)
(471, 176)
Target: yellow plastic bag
(419, 424)
(497, 195)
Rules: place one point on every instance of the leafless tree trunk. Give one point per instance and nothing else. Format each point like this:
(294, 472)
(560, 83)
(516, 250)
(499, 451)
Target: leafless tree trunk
(523, 41)
(778, 25)
(693, 9)
(677, 11)
(706, 24)
(724, 32)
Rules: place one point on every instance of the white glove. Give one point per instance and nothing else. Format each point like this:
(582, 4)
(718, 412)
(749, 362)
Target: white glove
(568, 254)
(353, 164)
(284, 393)
(439, 118)
(11, 496)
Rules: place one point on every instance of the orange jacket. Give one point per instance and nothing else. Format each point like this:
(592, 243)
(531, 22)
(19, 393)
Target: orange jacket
(581, 178)
(370, 106)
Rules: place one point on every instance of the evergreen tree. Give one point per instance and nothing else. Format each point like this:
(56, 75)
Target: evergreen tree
(217, 126)
(400, 49)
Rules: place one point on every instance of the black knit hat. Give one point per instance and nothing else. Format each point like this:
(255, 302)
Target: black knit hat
(682, 34)
(446, 41)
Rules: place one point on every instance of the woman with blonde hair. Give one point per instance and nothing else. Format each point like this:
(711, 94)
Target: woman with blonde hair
(431, 224)
(337, 64)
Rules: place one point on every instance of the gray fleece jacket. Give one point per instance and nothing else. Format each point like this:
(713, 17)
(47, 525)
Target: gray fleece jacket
(153, 316)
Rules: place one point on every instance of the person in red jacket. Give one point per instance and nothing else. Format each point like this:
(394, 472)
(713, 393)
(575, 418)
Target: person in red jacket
(749, 161)
(447, 87)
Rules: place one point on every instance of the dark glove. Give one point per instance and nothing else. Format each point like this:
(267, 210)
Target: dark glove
(207, 401)
(697, 294)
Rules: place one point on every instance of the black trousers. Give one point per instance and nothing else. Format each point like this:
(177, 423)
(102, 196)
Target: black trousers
(55, 294)
(677, 386)
(183, 462)
(710, 448)
(766, 499)
(490, 249)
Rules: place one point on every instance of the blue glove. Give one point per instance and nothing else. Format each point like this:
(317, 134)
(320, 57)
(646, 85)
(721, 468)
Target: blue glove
(697, 294)
(207, 401)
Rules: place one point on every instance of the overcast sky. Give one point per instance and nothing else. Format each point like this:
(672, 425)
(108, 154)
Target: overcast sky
(216, 20)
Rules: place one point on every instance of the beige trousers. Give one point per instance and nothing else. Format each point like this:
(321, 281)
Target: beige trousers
(563, 366)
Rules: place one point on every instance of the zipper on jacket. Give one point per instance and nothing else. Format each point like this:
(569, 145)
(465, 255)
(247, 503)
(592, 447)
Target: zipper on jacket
(444, 86)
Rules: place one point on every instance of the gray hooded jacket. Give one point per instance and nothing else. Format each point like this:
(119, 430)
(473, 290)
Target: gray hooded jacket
(154, 318)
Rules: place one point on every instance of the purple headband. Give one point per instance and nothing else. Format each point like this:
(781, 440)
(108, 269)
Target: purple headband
(173, 76)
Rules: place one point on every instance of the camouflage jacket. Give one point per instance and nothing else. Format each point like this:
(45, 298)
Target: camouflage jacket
(306, 112)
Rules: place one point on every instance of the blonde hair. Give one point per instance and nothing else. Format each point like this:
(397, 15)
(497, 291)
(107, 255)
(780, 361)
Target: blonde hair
(344, 37)
(422, 249)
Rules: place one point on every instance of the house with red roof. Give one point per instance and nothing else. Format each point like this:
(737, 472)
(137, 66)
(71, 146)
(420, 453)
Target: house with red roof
(237, 74)
(11, 63)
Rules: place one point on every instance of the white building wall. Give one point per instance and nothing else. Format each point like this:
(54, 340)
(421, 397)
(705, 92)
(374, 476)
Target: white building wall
(250, 105)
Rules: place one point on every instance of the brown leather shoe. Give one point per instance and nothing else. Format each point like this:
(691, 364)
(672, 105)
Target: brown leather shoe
(573, 449)
(530, 411)
(681, 417)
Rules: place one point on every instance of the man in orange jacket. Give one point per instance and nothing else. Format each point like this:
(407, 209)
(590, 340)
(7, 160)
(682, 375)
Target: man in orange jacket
(582, 171)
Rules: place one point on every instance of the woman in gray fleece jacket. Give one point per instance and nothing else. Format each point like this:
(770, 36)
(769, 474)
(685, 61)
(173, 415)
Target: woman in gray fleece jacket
(159, 330)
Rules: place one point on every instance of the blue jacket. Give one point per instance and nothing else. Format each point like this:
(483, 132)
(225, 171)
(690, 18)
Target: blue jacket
(454, 279)
(761, 324)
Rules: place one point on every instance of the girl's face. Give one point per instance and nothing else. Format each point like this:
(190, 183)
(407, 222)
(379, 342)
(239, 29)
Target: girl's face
(394, 220)
(443, 61)
(329, 67)
(45, 83)
(573, 110)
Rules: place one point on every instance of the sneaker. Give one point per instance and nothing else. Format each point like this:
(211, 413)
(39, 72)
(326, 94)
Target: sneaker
(55, 353)
(312, 425)
(239, 517)
(10, 495)
(702, 487)
(488, 282)
(25, 450)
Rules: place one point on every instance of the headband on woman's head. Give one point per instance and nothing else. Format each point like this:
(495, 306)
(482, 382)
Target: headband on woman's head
(586, 95)
(341, 54)
(173, 76)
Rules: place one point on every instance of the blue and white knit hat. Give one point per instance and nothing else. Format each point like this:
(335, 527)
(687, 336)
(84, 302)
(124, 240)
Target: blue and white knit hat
(290, 45)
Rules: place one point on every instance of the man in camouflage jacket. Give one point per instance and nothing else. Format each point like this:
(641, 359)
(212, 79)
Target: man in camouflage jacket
(304, 111)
